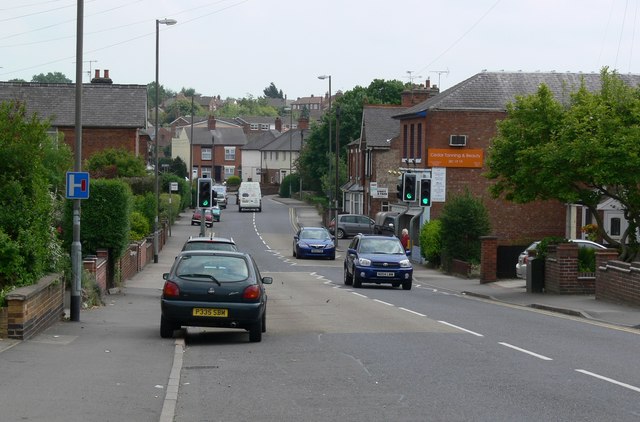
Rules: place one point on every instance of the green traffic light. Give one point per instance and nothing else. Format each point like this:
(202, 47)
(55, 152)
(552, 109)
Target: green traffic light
(409, 196)
(425, 201)
(205, 203)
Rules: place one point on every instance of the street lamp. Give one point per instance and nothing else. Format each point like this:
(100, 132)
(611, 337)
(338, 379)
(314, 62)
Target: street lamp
(157, 132)
(329, 172)
(299, 163)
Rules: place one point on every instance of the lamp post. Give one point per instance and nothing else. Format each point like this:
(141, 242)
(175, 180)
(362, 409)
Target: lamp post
(290, 146)
(299, 163)
(329, 172)
(156, 225)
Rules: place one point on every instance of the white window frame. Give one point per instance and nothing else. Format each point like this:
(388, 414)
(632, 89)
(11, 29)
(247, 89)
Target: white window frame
(229, 171)
(229, 153)
(205, 154)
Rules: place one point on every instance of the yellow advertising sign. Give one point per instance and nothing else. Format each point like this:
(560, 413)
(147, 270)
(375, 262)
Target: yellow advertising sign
(455, 157)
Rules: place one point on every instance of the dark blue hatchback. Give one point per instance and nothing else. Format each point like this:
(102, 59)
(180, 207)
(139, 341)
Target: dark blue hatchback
(314, 242)
(377, 259)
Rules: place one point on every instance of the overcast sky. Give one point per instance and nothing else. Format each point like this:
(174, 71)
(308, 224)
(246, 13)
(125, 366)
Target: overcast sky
(236, 48)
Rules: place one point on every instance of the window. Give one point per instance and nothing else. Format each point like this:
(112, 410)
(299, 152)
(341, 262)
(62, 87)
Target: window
(229, 153)
(229, 171)
(254, 126)
(205, 154)
(615, 226)
(405, 141)
(264, 126)
(419, 152)
(457, 140)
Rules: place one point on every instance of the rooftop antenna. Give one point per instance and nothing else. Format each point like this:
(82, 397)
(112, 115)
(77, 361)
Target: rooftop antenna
(89, 71)
(440, 72)
(411, 77)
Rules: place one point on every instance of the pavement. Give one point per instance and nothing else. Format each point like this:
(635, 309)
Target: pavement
(110, 340)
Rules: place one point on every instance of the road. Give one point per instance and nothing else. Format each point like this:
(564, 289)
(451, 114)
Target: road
(332, 352)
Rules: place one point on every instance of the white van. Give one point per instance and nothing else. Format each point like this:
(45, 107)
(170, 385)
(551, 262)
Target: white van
(249, 196)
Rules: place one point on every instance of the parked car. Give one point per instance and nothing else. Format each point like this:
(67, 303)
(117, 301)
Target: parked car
(215, 212)
(214, 289)
(377, 259)
(523, 258)
(221, 195)
(351, 224)
(196, 218)
(314, 242)
(209, 244)
(386, 222)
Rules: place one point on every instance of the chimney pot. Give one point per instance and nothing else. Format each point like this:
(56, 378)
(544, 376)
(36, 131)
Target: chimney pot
(97, 74)
(106, 73)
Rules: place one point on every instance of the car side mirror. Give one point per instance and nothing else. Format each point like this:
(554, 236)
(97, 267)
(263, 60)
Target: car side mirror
(165, 276)
(295, 237)
(408, 252)
(267, 280)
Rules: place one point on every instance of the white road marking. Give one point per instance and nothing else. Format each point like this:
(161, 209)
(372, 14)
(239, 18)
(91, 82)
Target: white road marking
(384, 303)
(413, 312)
(461, 329)
(358, 294)
(525, 351)
(621, 384)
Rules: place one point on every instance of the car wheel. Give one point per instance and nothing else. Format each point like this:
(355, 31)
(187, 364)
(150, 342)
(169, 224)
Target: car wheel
(255, 332)
(357, 281)
(294, 252)
(395, 284)
(406, 285)
(333, 257)
(264, 321)
(348, 279)
(341, 234)
(167, 328)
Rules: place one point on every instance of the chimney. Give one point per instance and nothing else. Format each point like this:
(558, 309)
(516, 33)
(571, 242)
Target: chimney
(104, 80)
(303, 123)
(211, 122)
(278, 124)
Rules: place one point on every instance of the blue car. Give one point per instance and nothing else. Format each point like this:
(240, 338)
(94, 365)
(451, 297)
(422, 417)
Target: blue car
(377, 259)
(314, 242)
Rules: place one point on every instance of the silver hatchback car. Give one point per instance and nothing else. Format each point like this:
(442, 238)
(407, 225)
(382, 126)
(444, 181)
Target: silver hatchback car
(350, 225)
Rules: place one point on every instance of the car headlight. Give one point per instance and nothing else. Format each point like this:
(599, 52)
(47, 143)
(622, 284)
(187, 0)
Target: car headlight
(405, 263)
(364, 262)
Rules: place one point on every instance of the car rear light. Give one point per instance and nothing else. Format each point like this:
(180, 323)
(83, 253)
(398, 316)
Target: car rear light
(170, 289)
(251, 293)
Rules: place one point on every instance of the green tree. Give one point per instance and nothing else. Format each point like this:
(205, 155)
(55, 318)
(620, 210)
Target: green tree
(272, 92)
(182, 107)
(248, 106)
(112, 162)
(464, 220)
(163, 92)
(583, 152)
(314, 158)
(51, 78)
(431, 242)
(28, 244)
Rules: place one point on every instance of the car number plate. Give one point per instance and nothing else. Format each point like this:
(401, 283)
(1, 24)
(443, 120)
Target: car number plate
(210, 312)
(385, 274)
(316, 250)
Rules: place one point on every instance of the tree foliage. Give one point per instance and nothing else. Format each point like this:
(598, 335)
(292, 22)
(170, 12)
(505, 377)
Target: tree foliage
(111, 163)
(315, 157)
(272, 92)
(28, 245)
(583, 153)
(182, 107)
(51, 78)
(248, 106)
(464, 220)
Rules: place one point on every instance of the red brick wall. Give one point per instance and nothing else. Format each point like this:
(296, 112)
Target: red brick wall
(617, 281)
(98, 139)
(561, 271)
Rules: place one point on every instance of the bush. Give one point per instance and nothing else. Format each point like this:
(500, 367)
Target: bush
(140, 227)
(464, 220)
(289, 185)
(233, 181)
(431, 243)
(586, 260)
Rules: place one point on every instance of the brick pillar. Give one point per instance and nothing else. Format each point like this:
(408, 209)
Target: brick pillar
(488, 259)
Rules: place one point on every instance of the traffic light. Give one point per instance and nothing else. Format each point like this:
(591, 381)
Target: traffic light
(409, 187)
(204, 193)
(399, 187)
(425, 192)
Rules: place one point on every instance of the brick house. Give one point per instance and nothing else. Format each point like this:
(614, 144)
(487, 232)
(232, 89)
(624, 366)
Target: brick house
(216, 148)
(113, 115)
(446, 137)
